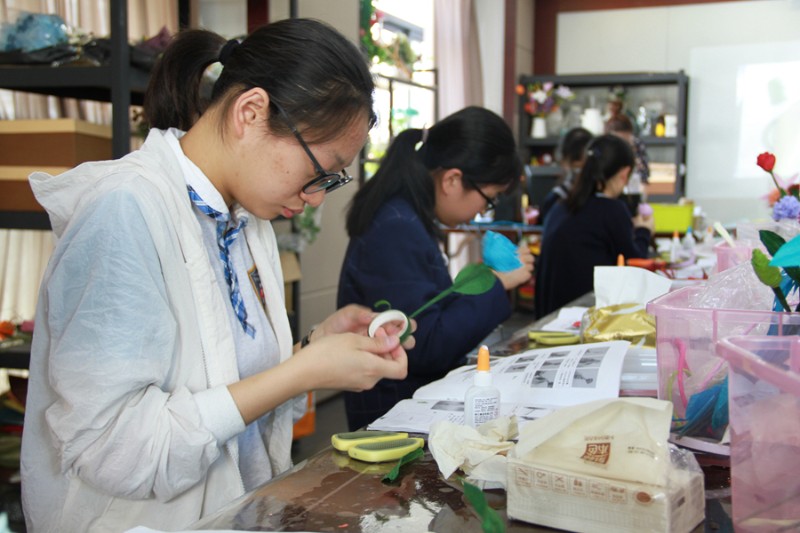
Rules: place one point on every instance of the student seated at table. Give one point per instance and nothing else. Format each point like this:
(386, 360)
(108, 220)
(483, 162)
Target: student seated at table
(163, 372)
(444, 175)
(590, 228)
(572, 152)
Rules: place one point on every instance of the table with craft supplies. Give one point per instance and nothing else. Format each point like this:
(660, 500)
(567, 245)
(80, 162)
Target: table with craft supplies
(331, 491)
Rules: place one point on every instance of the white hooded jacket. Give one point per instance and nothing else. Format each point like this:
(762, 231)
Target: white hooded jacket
(128, 419)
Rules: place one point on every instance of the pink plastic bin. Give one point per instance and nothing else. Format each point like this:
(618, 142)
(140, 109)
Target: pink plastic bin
(685, 338)
(764, 393)
(728, 257)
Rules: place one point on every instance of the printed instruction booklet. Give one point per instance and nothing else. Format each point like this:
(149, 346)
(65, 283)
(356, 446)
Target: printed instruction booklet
(532, 384)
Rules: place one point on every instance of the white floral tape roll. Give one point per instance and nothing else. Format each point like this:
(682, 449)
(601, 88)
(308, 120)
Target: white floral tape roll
(392, 315)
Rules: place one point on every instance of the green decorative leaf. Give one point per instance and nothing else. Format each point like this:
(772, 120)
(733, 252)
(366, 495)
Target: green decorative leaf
(490, 520)
(475, 278)
(769, 275)
(788, 255)
(772, 241)
(407, 458)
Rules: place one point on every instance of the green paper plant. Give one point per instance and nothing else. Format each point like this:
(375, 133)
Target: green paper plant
(475, 278)
(785, 256)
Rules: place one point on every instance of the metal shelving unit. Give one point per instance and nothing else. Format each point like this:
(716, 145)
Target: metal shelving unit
(548, 175)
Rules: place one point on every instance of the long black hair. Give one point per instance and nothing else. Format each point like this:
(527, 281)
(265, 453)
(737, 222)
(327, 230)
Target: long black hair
(320, 78)
(474, 140)
(605, 156)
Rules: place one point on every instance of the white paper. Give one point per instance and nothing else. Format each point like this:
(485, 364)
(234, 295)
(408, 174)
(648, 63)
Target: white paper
(626, 285)
(417, 416)
(559, 375)
(568, 319)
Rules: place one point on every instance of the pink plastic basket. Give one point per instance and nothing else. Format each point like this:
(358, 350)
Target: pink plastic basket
(764, 393)
(685, 338)
(728, 257)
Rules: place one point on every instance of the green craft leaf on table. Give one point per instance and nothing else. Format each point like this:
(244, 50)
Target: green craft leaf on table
(407, 458)
(490, 520)
(788, 255)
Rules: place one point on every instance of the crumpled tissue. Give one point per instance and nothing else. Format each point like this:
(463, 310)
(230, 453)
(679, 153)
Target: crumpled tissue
(479, 452)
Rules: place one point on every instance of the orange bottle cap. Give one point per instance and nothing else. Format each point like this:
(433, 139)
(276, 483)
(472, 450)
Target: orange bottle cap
(483, 358)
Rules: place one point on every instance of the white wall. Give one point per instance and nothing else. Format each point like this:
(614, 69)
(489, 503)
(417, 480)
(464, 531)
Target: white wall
(491, 26)
(724, 48)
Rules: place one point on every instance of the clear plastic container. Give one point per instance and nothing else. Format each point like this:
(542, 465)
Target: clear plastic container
(764, 393)
(685, 338)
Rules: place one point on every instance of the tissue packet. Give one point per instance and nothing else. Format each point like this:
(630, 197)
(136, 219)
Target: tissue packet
(605, 466)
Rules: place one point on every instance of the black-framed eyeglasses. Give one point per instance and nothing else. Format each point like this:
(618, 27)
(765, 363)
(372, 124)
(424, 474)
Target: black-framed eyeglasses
(491, 203)
(325, 181)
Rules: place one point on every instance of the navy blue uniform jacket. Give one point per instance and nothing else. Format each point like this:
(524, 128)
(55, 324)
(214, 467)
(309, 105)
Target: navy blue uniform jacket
(574, 243)
(397, 260)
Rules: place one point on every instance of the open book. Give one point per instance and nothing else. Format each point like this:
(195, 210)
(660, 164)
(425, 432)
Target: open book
(532, 384)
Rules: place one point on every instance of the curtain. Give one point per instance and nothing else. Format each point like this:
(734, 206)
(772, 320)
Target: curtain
(24, 253)
(457, 50)
(458, 60)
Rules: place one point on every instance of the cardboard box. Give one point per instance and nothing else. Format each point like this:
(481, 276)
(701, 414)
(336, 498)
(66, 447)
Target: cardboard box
(62, 142)
(291, 273)
(49, 145)
(15, 191)
(556, 498)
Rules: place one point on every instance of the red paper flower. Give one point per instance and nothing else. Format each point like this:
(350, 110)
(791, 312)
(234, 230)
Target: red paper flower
(766, 161)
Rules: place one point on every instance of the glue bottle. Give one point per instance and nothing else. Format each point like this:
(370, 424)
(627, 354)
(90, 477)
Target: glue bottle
(675, 248)
(688, 243)
(482, 400)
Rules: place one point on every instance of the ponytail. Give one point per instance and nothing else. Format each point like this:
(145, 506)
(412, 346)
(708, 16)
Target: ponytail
(173, 97)
(605, 156)
(401, 173)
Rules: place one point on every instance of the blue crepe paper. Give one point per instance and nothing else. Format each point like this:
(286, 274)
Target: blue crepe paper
(499, 253)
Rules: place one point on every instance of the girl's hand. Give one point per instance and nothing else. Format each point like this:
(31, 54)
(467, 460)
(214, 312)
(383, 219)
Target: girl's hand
(353, 362)
(514, 278)
(356, 319)
(648, 222)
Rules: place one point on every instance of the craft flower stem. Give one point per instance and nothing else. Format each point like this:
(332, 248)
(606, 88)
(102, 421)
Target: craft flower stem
(475, 278)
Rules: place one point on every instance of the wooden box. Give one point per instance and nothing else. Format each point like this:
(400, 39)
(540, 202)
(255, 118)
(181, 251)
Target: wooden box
(62, 142)
(49, 145)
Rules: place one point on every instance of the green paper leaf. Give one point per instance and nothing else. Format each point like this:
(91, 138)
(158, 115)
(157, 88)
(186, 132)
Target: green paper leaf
(769, 275)
(771, 240)
(475, 278)
(788, 255)
(490, 520)
(407, 458)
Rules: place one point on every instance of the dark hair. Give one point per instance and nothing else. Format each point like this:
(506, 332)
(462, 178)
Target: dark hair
(620, 123)
(605, 156)
(573, 145)
(319, 77)
(474, 140)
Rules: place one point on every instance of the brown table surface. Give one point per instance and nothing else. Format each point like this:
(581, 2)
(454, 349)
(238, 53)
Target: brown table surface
(332, 492)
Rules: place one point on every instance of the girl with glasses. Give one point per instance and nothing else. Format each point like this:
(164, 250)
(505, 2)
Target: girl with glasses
(162, 369)
(441, 176)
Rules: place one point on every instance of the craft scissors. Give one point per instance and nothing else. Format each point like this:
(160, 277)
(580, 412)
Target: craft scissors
(553, 338)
